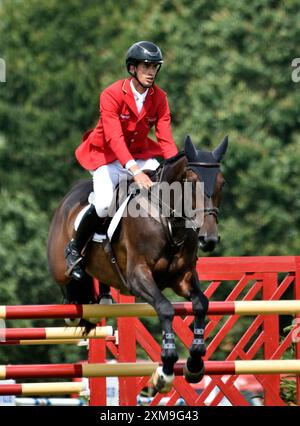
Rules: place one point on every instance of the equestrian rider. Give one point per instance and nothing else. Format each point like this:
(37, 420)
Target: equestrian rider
(120, 144)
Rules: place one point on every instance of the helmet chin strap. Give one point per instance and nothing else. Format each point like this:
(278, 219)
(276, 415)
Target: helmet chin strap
(134, 75)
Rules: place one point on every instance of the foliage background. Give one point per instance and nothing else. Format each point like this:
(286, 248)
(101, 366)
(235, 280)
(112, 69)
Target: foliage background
(227, 70)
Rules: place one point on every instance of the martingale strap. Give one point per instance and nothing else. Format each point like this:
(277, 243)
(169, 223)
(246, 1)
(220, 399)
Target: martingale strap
(110, 253)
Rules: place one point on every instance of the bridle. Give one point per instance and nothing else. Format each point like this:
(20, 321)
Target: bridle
(208, 210)
(167, 221)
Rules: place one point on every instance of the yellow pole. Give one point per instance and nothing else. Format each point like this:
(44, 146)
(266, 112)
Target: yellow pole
(257, 307)
(60, 388)
(268, 367)
(123, 369)
(77, 332)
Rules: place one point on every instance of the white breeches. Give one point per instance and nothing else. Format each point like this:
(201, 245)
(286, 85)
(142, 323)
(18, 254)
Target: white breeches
(106, 178)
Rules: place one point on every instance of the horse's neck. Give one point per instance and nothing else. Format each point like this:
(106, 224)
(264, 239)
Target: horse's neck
(175, 172)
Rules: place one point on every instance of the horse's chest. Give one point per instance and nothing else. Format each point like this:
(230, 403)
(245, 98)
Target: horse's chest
(170, 266)
(178, 263)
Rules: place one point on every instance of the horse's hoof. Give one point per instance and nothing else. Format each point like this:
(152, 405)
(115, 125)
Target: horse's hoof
(72, 322)
(162, 382)
(94, 320)
(106, 299)
(193, 377)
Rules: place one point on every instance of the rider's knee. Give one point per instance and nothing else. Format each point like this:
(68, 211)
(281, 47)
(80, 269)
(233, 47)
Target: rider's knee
(102, 210)
(102, 203)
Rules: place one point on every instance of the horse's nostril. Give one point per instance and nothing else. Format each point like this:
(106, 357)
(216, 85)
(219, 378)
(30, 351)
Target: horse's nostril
(211, 239)
(208, 243)
(211, 246)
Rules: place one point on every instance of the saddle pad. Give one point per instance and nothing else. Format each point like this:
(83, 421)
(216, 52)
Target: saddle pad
(80, 216)
(99, 238)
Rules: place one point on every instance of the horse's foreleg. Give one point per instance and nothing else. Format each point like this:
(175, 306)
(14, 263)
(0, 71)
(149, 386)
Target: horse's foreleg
(143, 285)
(194, 368)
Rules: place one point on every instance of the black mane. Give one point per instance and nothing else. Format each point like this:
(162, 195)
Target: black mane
(173, 159)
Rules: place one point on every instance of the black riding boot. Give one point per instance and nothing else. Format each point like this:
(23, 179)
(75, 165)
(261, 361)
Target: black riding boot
(73, 251)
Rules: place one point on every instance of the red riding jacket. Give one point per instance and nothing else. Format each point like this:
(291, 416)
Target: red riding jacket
(122, 134)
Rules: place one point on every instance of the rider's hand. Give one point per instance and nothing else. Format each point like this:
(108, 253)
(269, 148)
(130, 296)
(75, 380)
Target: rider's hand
(143, 180)
(140, 177)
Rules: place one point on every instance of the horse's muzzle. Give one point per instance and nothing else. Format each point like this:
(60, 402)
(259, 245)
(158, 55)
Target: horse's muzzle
(208, 244)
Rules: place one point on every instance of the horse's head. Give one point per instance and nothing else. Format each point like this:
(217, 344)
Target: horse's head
(204, 166)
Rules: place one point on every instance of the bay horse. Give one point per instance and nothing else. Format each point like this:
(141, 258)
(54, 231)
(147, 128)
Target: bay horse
(151, 254)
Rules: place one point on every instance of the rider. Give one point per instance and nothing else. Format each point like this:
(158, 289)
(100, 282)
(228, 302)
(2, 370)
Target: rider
(120, 144)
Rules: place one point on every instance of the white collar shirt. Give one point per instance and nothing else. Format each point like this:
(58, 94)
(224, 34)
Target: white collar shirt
(139, 97)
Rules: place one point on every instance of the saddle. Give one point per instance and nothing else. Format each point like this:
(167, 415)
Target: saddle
(108, 226)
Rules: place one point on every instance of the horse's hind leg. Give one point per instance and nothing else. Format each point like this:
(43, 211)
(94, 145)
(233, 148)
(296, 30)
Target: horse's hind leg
(104, 294)
(143, 285)
(194, 367)
(80, 292)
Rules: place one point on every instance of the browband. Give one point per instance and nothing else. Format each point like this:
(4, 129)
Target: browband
(198, 163)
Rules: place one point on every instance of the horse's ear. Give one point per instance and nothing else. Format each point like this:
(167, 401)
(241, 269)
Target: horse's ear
(221, 149)
(189, 149)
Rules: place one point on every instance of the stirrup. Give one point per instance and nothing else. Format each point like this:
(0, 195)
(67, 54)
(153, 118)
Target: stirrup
(75, 270)
(73, 259)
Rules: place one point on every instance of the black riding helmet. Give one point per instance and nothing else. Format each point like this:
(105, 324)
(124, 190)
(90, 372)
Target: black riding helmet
(143, 51)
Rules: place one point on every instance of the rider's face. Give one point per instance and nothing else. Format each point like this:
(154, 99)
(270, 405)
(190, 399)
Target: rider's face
(146, 73)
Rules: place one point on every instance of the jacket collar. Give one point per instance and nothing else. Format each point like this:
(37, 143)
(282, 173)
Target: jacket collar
(129, 99)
